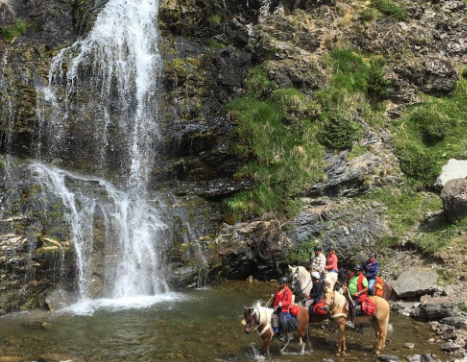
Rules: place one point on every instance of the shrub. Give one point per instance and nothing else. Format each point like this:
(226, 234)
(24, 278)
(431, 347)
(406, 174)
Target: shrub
(418, 163)
(301, 255)
(11, 31)
(433, 124)
(378, 84)
(339, 131)
(389, 8)
(213, 43)
(214, 20)
(368, 15)
(464, 73)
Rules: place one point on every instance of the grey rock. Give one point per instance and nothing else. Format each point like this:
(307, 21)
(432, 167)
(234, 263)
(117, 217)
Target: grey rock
(453, 170)
(415, 282)
(388, 358)
(58, 299)
(456, 321)
(409, 345)
(434, 309)
(447, 291)
(454, 196)
(450, 346)
(414, 358)
(426, 358)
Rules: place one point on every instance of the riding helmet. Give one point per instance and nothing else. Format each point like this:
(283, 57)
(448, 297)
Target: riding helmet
(357, 267)
(317, 248)
(373, 254)
(283, 280)
(316, 275)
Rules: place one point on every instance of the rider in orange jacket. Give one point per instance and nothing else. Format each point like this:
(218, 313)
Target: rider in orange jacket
(282, 302)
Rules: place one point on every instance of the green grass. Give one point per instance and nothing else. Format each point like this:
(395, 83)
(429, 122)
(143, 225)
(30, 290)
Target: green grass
(9, 32)
(462, 305)
(390, 9)
(214, 20)
(280, 143)
(431, 133)
(213, 43)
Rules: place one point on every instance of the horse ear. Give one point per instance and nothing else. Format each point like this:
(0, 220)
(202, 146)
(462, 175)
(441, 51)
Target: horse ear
(291, 267)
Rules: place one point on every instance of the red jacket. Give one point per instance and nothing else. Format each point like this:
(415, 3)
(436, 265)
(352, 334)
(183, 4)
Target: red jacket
(331, 262)
(284, 296)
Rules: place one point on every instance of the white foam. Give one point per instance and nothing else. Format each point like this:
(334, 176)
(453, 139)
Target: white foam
(90, 306)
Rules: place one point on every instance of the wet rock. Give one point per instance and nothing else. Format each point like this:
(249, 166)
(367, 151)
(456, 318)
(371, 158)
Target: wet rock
(387, 358)
(58, 299)
(434, 309)
(456, 321)
(454, 196)
(55, 357)
(409, 345)
(454, 169)
(427, 358)
(414, 358)
(450, 347)
(415, 282)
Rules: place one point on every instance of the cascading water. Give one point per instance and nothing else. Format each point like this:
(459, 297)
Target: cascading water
(119, 66)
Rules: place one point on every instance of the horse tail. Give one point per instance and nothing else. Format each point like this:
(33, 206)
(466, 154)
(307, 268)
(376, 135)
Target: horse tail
(386, 328)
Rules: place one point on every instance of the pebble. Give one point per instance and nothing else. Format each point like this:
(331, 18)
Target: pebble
(328, 360)
(409, 345)
(414, 358)
(431, 340)
(426, 358)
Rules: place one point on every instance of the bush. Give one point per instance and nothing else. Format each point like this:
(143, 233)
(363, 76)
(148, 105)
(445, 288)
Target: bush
(389, 8)
(418, 163)
(214, 20)
(378, 84)
(339, 131)
(368, 15)
(433, 124)
(9, 32)
(302, 255)
(464, 73)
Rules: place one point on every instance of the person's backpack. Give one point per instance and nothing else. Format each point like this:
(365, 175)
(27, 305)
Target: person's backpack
(368, 307)
(294, 310)
(379, 287)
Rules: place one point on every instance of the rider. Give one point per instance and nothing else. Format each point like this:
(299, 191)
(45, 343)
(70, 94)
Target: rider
(331, 261)
(371, 269)
(358, 288)
(316, 293)
(282, 302)
(319, 261)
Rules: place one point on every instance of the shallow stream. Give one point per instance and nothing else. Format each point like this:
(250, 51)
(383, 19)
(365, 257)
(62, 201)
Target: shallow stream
(200, 325)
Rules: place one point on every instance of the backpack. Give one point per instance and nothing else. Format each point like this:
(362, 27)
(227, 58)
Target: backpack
(294, 310)
(379, 287)
(368, 307)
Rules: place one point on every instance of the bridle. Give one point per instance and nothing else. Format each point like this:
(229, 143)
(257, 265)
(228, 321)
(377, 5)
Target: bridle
(293, 282)
(250, 325)
(332, 301)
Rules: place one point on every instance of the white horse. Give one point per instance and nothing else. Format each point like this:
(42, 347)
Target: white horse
(302, 283)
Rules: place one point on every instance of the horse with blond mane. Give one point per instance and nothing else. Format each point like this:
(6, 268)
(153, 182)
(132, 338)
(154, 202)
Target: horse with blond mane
(258, 319)
(337, 305)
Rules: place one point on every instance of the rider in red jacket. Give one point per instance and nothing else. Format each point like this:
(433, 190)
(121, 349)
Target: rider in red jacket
(282, 302)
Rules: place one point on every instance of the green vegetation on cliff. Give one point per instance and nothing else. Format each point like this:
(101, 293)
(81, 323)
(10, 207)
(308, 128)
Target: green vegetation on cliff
(285, 156)
(430, 133)
(391, 9)
(11, 31)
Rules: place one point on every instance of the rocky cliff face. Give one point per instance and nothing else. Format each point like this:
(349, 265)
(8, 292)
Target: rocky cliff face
(210, 50)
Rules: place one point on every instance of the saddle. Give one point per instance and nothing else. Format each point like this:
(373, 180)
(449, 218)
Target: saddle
(367, 307)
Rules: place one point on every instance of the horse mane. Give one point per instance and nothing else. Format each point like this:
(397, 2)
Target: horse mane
(339, 300)
(264, 314)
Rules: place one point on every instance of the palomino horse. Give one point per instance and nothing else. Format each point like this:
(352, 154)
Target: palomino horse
(259, 318)
(344, 276)
(301, 282)
(338, 307)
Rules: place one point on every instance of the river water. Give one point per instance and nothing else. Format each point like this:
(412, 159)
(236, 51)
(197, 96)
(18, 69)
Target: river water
(200, 325)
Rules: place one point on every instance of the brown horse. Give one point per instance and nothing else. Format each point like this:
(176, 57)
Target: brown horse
(259, 318)
(344, 276)
(338, 308)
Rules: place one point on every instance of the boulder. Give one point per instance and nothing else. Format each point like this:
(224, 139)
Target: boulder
(435, 308)
(426, 358)
(415, 282)
(450, 346)
(58, 299)
(454, 196)
(453, 170)
(456, 321)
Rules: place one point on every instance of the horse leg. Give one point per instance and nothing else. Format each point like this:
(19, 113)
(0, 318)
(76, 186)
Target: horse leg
(265, 348)
(341, 338)
(374, 324)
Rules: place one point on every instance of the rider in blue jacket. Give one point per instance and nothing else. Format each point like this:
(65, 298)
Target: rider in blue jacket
(371, 269)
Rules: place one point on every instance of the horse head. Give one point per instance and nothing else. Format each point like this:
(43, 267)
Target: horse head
(329, 300)
(294, 276)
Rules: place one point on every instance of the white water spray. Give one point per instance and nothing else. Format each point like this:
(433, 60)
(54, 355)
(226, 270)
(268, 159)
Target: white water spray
(119, 64)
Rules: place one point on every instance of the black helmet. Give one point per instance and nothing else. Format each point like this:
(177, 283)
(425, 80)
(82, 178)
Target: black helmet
(317, 248)
(283, 280)
(332, 248)
(373, 254)
(357, 267)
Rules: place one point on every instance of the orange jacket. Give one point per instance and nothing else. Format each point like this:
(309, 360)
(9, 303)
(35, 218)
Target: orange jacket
(284, 296)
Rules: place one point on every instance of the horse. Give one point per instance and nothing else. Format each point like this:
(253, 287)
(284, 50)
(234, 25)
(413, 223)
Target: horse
(302, 283)
(337, 305)
(344, 276)
(259, 318)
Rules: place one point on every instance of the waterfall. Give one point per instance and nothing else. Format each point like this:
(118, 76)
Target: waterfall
(106, 84)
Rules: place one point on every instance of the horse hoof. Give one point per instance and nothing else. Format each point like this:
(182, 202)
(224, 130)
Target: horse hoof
(338, 354)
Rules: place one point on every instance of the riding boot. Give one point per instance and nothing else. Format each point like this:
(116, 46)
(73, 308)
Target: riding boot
(353, 315)
(282, 330)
